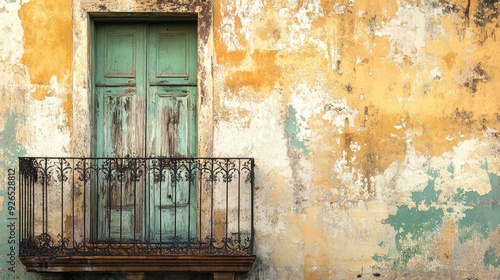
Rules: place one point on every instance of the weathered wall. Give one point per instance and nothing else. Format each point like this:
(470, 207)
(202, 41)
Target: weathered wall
(36, 95)
(374, 124)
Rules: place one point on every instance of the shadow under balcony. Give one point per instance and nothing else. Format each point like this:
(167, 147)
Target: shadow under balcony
(136, 214)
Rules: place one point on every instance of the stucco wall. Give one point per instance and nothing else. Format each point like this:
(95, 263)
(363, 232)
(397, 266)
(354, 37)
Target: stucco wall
(374, 124)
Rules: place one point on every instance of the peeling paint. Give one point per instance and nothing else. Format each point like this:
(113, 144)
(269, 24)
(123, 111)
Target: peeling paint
(410, 30)
(292, 130)
(236, 18)
(10, 149)
(415, 225)
(492, 257)
(482, 216)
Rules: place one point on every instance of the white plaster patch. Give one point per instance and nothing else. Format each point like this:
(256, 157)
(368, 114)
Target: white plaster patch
(11, 41)
(436, 74)
(257, 136)
(337, 112)
(298, 25)
(354, 146)
(400, 126)
(259, 133)
(54, 86)
(352, 180)
(409, 30)
(401, 178)
(47, 129)
(310, 101)
(246, 12)
(464, 165)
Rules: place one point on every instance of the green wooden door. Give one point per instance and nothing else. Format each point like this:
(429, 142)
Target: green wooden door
(145, 106)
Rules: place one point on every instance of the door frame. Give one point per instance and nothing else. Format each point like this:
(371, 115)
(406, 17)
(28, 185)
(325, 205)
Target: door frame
(86, 12)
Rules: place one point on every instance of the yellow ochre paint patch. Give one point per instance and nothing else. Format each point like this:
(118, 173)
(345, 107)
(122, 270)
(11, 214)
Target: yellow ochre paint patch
(444, 244)
(262, 78)
(48, 47)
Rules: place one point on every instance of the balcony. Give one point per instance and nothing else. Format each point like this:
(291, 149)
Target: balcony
(136, 214)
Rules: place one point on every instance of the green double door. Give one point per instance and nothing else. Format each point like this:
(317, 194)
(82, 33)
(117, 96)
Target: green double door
(144, 106)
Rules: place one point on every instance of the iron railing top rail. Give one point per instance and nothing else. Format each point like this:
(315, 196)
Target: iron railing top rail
(145, 158)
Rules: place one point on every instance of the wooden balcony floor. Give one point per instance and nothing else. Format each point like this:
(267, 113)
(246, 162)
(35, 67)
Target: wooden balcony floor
(154, 263)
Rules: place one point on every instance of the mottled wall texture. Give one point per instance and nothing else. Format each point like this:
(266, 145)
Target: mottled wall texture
(375, 124)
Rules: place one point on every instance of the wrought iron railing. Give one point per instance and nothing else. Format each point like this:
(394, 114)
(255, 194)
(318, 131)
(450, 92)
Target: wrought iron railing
(135, 206)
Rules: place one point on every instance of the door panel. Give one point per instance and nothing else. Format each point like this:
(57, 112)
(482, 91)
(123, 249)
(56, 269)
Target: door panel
(118, 114)
(144, 106)
(173, 133)
(120, 54)
(120, 62)
(172, 54)
(173, 201)
(174, 46)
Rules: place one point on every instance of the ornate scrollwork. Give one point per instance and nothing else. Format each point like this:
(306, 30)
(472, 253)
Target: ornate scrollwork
(85, 185)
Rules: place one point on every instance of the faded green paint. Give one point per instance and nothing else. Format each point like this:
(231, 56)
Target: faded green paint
(428, 195)
(492, 257)
(410, 223)
(483, 216)
(292, 129)
(120, 89)
(480, 217)
(419, 226)
(8, 143)
(119, 96)
(378, 258)
(451, 170)
(11, 150)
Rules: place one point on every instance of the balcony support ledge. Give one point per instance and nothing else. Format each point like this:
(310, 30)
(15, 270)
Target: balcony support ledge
(222, 264)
